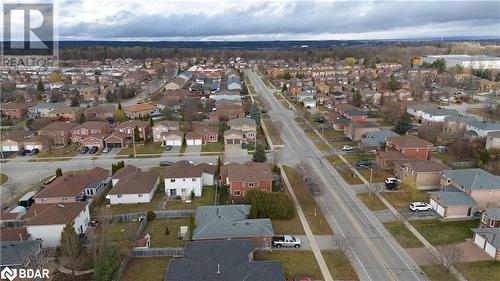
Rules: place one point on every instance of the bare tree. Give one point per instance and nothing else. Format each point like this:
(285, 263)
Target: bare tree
(447, 255)
(304, 169)
(344, 246)
(42, 258)
(12, 186)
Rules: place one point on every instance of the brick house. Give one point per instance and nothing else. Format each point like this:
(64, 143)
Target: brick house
(160, 128)
(117, 139)
(208, 134)
(100, 112)
(411, 146)
(425, 174)
(59, 133)
(355, 130)
(88, 129)
(244, 177)
(128, 127)
(66, 113)
(140, 110)
(13, 110)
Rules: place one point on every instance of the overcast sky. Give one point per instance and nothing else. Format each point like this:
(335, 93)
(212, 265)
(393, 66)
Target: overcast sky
(275, 20)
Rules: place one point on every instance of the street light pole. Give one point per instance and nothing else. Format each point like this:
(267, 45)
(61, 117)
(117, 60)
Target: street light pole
(371, 177)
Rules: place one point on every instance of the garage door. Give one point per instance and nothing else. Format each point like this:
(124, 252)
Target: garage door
(490, 250)
(114, 145)
(33, 146)
(10, 148)
(174, 142)
(229, 141)
(197, 142)
(479, 240)
(440, 210)
(190, 142)
(433, 204)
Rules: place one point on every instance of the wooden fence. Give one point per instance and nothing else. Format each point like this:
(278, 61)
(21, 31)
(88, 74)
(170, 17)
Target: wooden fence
(158, 252)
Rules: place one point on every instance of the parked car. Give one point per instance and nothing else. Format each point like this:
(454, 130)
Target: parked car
(347, 148)
(168, 147)
(34, 151)
(364, 162)
(419, 206)
(107, 149)
(83, 237)
(84, 150)
(24, 152)
(286, 241)
(94, 149)
(392, 183)
(166, 163)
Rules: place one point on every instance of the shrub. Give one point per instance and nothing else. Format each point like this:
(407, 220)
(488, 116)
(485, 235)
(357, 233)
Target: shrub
(150, 216)
(273, 205)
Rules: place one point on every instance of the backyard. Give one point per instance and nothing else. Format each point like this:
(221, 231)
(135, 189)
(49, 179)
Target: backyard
(295, 263)
(155, 204)
(157, 228)
(438, 232)
(121, 231)
(311, 210)
(207, 198)
(145, 269)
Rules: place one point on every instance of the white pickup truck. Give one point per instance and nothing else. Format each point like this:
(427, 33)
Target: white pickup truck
(286, 241)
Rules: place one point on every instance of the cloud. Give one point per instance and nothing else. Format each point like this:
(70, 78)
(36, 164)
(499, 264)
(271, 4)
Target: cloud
(273, 20)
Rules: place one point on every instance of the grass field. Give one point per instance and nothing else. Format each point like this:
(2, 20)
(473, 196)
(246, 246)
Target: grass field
(121, 231)
(66, 151)
(207, 198)
(480, 270)
(273, 133)
(404, 236)
(439, 233)
(149, 148)
(372, 202)
(157, 229)
(213, 147)
(3, 178)
(145, 269)
(295, 263)
(311, 210)
(437, 273)
(402, 199)
(339, 265)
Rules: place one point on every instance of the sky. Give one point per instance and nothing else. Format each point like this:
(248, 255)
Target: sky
(242, 20)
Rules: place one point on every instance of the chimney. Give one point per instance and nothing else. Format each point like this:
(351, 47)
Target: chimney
(218, 268)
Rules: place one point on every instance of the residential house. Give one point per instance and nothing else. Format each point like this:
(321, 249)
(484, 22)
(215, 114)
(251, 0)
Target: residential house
(175, 84)
(233, 138)
(183, 178)
(386, 159)
(223, 261)
(140, 110)
(89, 93)
(482, 128)
(244, 177)
(59, 133)
(411, 146)
(234, 83)
(73, 187)
(19, 254)
(13, 110)
(355, 130)
(101, 112)
(227, 111)
(451, 204)
(40, 142)
(46, 221)
(208, 134)
(173, 138)
(133, 187)
(226, 95)
(117, 139)
(129, 126)
(66, 113)
(490, 217)
(488, 239)
(424, 174)
(162, 127)
(375, 140)
(247, 126)
(194, 138)
(493, 140)
(355, 115)
(231, 222)
(91, 133)
(42, 109)
(14, 140)
(437, 115)
(129, 169)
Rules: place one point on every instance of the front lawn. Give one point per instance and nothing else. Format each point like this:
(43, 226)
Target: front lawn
(372, 202)
(207, 198)
(437, 273)
(68, 151)
(295, 263)
(213, 147)
(146, 269)
(311, 210)
(403, 198)
(339, 265)
(404, 236)
(354, 158)
(438, 232)
(3, 178)
(149, 148)
(159, 237)
(121, 231)
(480, 270)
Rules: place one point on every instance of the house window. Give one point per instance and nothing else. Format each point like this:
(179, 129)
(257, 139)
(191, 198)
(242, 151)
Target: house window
(172, 180)
(141, 195)
(193, 179)
(492, 222)
(237, 193)
(251, 184)
(483, 219)
(119, 196)
(183, 179)
(184, 191)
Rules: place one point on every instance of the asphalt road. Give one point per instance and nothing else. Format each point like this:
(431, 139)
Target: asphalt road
(375, 254)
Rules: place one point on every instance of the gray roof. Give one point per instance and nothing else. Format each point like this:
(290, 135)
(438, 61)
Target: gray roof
(473, 178)
(484, 125)
(493, 213)
(242, 122)
(229, 222)
(377, 137)
(17, 253)
(441, 112)
(47, 105)
(453, 198)
(492, 234)
(222, 261)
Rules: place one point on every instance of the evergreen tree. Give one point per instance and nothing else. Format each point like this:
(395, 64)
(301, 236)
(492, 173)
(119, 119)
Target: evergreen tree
(59, 172)
(284, 89)
(82, 119)
(75, 102)
(119, 106)
(403, 124)
(137, 137)
(357, 100)
(260, 154)
(107, 264)
(255, 113)
(39, 86)
(71, 250)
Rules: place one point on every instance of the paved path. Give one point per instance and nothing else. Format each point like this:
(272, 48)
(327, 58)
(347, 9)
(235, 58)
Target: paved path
(325, 242)
(193, 149)
(471, 252)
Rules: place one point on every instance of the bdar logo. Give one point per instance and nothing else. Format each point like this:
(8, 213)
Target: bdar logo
(8, 273)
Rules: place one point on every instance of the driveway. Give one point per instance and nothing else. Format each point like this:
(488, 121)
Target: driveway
(421, 215)
(174, 151)
(193, 150)
(325, 242)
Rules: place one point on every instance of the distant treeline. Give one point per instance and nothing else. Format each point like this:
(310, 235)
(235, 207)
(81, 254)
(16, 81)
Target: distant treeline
(388, 53)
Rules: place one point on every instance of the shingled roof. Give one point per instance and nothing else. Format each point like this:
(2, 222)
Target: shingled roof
(47, 214)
